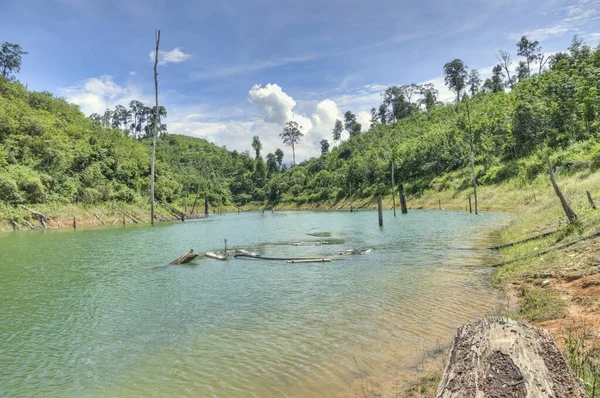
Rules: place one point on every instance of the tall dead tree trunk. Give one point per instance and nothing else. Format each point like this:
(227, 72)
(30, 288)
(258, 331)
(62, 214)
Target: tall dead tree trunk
(589, 196)
(563, 201)
(403, 209)
(472, 158)
(393, 189)
(157, 36)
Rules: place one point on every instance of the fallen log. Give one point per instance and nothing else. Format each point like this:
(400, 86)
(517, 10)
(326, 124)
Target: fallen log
(504, 358)
(41, 217)
(185, 258)
(99, 219)
(523, 240)
(135, 220)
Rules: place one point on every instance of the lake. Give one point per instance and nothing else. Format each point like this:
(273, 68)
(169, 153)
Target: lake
(97, 312)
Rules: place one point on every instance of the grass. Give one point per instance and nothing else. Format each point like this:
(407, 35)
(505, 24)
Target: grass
(542, 304)
(583, 355)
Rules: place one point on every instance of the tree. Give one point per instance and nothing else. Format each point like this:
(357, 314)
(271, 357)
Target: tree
(506, 62)
(395, 102)
(291, 136)
(428, 96)
(351, 125)
(324, 146)
(529, 50)
(120, 116)
(272, 167)
(455, 76)
(138, 113)
(496, 83)
(257, 145)
(337, 130)
(374, 117)
(522, 71)
(279, 156)
(10, 60)
(474, 81)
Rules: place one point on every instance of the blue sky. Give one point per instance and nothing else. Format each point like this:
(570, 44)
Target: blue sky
(231, 69)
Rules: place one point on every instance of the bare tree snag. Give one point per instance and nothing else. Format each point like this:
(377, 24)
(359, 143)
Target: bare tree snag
(380, 211)
(504, 358)
(472, 158)
(402, 199)
(157, 36)
(573, 219)
(393, 190)
(205, 207)
(39, 216)
(589, 196)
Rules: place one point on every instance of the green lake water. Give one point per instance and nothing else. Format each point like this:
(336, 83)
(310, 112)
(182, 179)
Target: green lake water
(98, 313)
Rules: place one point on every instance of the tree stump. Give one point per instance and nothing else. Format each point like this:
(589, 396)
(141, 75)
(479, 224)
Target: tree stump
(504, 358)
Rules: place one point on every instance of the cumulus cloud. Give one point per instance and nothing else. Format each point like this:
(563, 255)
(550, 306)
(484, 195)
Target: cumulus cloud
(94, 95)
(174, 56)
(276, 104)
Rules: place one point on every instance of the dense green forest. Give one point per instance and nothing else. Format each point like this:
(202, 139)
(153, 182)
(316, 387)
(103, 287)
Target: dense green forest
(51, 153)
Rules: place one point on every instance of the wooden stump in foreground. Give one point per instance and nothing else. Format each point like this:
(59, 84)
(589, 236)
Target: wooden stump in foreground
(504, 358)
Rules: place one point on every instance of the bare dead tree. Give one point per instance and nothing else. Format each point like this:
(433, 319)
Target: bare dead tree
(157, 37)
(506, 62)
(573, 219)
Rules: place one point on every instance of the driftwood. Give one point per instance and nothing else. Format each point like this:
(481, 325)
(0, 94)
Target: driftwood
(99, 219)
(504, 358)
(573, 219)
(41, 217)
(185, 258)
(135, 220)
(28, 223)
(15, 225)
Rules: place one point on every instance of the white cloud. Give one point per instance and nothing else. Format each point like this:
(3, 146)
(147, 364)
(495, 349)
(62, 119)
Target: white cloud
(276, 104)
(174, 56)
(132, 73)
(245, 68)
(575, 16)
(96, 94)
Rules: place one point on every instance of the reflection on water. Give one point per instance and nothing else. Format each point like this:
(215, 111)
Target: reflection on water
(88, 313)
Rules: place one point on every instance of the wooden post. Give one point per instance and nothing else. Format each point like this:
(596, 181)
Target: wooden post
(157, 36)
(470, 208)
(205, 207)
(186, 200)
(402, 199)
(589, 196)
(440, 204)
(196, 200)
(565, 204)
(74, 223)
(472, 158)
(393, 190)
(380, 210)
(350, 197)
(123, 218)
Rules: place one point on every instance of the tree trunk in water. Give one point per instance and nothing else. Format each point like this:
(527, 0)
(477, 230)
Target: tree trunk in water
(589, 196)
(402, 199)
(380, 210)
(504, 358)
(393, 190)
(470, 208)
(157, 36)
(472, 159)
(565, 205)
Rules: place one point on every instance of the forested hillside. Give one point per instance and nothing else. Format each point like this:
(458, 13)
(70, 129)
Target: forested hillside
(554, 111)
(51, 153)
